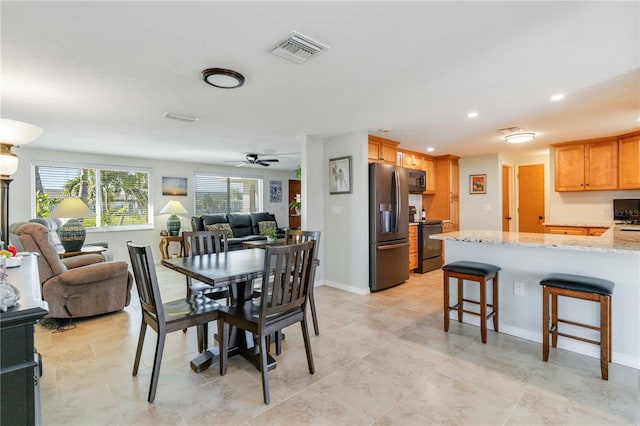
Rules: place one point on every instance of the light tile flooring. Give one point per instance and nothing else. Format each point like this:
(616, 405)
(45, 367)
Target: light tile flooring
(380, 359)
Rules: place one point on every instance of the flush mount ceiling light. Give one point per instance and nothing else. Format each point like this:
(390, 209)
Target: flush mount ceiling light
(472, 114)
(557, 97)
(222, 78)
(520, 137)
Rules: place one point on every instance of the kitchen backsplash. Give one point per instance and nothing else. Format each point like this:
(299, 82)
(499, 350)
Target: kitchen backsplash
(588, 207)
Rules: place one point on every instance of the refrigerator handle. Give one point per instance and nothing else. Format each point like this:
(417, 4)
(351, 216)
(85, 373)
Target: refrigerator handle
(397, 180)
(392, 246)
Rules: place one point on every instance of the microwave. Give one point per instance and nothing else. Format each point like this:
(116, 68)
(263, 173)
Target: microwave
(417, 181)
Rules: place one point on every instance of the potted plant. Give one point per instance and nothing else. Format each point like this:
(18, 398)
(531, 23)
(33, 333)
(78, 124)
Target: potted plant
(295, 205)
(270, 233)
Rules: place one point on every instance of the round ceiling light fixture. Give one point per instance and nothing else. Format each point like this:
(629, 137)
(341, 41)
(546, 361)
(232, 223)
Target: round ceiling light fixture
(222, 78)
(520, 137)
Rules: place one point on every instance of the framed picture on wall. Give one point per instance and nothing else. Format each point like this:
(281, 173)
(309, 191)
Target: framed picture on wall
(340, 175)
(174, 185)
(477, 184)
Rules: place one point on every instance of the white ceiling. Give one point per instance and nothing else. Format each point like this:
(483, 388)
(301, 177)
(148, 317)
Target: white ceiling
(97, 76)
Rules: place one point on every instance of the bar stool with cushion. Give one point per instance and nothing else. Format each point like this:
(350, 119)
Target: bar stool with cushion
(579, 287)
(480, 273)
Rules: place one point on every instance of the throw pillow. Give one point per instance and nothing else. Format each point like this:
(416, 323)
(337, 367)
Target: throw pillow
(266, 225)
(221, 227)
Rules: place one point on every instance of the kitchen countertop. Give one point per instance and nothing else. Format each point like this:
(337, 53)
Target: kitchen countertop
(612, 241)
(579, 225)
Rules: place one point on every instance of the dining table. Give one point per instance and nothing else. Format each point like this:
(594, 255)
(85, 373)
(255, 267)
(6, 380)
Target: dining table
(237, 270)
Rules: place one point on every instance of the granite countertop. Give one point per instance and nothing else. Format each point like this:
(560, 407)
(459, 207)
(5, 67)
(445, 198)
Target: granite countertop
(612, 241)
(579, 225)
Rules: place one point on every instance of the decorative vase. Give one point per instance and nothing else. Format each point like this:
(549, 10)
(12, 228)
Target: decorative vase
(173, 225)
(72, 235)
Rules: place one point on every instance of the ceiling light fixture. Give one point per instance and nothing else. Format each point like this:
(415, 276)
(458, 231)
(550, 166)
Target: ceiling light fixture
(520, 137)
(430, 149)
(385, 129)
(472, 114)
(557, 97)
(222, 78)
(173, 116)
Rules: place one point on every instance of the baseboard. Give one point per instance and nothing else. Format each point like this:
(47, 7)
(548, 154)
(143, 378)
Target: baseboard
(563, 342)
(349, 288)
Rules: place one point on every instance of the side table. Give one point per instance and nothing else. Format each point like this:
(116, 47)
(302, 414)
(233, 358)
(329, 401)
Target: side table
(164, 245)
(84, 250)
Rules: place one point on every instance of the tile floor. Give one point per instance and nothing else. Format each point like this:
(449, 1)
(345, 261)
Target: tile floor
(380, 359)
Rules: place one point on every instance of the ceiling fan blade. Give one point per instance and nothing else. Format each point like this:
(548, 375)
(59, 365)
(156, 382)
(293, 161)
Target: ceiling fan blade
(240, 164)
(262, 163)
(272, 160)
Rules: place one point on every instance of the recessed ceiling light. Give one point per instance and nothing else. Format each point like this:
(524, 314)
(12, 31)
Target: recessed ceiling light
(222, 78)
(520, 137)
(430, 149)
(472, 114)
(557, 97)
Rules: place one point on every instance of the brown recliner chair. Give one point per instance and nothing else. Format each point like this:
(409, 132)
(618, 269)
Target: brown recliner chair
(76, 288)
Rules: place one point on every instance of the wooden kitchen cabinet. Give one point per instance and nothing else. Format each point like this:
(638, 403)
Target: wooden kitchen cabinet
(586, 165)
(419, 161)
(413, 247)
(574, 230)
(382, 150)
(429, 167)
(629, 161)
(445, 203)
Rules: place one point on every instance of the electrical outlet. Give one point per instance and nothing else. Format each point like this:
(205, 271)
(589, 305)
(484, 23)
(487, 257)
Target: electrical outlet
(518, 288)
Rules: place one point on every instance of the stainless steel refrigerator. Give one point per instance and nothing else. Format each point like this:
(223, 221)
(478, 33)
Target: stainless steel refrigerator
(388, 226)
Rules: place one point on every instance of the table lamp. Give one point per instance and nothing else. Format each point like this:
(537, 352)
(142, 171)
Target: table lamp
(173, 223)
(73, 232)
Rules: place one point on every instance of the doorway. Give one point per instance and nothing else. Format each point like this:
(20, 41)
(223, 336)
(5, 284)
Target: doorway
(506, 198)
(531, 198)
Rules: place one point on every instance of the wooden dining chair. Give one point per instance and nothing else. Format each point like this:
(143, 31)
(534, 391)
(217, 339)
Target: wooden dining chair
(165, 317)
(292, 236)
(285, 287)
(205, 242)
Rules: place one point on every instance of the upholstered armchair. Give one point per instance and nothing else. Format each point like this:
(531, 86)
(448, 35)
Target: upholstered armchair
(77, 287)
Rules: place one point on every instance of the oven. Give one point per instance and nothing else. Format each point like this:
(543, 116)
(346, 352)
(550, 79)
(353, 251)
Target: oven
(429, 251)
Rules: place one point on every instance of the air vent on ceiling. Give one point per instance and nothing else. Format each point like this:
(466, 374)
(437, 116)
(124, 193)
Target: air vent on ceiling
(509, 130)
(179, 117)
(298, 48)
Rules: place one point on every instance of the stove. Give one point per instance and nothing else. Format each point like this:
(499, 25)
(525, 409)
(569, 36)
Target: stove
(429, 251)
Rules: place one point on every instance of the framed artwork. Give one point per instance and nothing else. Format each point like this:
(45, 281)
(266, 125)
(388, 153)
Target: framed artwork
(275, 191)
(174, 185)
(477, 184)
(340, 175)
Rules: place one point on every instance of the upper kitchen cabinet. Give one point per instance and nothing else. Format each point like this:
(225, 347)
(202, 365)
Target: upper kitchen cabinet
(629, 161)
(382, 150)
(419, 161)
(445, 203)
(586, 165)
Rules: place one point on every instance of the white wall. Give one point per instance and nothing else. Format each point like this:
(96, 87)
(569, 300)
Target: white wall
(346, 217)
(481, 211)
(20, 203)
(313, 196)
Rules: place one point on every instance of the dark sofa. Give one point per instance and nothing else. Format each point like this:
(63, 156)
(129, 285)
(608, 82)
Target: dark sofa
(245, 226)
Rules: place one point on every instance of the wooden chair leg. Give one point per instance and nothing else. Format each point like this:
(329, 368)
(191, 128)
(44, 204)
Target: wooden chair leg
(136, 362)
(495, 302)
(223, 345)
(460, 297)
(545, 323)
(483, 309)
(307, 346)
(264, 369)
(278, 337)
(157, 360)
(312, 305)
(609, 304)
(554, 319)
(604, 337)
(446, 301)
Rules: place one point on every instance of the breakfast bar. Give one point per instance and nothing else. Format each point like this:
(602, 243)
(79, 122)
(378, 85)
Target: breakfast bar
(526, 257)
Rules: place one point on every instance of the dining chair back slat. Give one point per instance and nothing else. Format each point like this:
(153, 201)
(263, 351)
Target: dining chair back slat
(200, 243)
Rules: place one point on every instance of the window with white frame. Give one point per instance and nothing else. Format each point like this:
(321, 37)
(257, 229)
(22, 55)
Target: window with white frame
(227, 194)
(118, 196)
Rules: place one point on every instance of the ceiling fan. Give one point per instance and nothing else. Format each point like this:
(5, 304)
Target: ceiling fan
(253, 159)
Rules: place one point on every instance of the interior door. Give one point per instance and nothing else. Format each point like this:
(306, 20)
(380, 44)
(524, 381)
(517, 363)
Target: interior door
(531, 198)
(506, 213)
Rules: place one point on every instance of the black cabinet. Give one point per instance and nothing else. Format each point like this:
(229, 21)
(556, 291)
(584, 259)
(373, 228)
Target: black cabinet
(19, 362)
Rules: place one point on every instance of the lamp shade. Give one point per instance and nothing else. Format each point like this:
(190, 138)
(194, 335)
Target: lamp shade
(14, 132)
(173, 223)
(174, 207)
(72, 233)
(72, 208)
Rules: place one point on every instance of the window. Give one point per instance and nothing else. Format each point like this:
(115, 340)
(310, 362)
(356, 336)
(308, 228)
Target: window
(119, 197)
(223, 194)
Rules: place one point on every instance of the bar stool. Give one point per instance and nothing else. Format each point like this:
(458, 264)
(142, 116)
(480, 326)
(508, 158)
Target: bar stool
(579, 287)
(480, 273)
